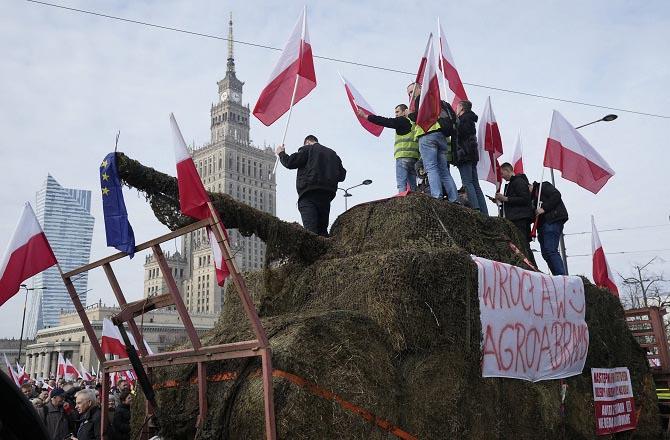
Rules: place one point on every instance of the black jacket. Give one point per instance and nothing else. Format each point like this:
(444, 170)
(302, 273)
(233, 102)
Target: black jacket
(554, 209)
(121, 423)
(518, 205)
(89, 425)
(466, 139)
(318, 167)
(400, 124)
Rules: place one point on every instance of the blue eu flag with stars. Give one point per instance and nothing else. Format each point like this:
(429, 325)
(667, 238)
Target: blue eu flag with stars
(119, 232)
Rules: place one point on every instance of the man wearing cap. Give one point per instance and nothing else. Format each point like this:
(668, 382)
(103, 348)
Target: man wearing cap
(57, 422)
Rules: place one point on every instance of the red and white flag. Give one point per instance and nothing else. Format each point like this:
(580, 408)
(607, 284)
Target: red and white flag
(568, 151)
(455, 93)
(112, 341)
(60, 369)
(10, 372)
(517, 157)
(21, 374)
(193, 198)
(71, 373)
(420, 71)
(294, 71)
(84, 374)
(490, 145)
(602, 275)
(358, 102)
(429, 102)
(27, 254)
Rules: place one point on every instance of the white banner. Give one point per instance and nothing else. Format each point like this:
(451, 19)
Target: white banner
(533, 324)
(613, 400)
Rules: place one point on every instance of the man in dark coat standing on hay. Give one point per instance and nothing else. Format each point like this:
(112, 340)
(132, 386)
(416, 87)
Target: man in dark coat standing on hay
(516, 204)
(319, 171)
(552, 215)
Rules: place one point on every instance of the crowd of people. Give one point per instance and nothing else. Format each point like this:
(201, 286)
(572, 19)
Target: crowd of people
(71, 410)
(422, 163)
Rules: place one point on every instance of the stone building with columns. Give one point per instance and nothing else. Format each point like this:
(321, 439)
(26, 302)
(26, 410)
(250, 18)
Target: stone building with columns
(161, 329)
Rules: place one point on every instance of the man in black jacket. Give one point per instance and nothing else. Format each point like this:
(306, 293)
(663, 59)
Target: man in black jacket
(319, 171)
(466, 154)
(552, 215)
(516, 204)
(89, 416)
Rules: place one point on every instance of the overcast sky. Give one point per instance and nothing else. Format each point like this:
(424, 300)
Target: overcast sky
(69, 81)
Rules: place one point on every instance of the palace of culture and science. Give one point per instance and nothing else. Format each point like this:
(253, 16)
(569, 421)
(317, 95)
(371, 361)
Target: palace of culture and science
(229, 164)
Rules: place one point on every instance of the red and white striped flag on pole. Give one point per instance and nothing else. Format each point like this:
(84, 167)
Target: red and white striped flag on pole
(568, 151)
(71, 373)
(602, 275)
(420, 71)
(84, 374)
(193, 198)
(292, 78)
(455, 93)
(517, 157)
(27, 254)
(429, 102)
(21, 374)
(490, 145)
(10, 372)
(112, 342)
(358, 102)
(61, 367)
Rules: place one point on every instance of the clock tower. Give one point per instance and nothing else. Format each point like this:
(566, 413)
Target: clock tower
(229, 118)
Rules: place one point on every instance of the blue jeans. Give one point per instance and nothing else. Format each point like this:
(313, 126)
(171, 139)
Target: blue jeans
(433, 148)
(470, 181)
(405, 173)
(549, 236)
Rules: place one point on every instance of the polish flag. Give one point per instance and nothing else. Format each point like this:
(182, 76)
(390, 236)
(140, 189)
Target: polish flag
(10, 372)
(490, 145)
(60, 371)
(568, 151)
(602, 275)
(192, 195)
(21, 374)
(429, 102)
(456, 91)
(420, 71)
(84, 374)
(27, 254)
(112, 341)
(358, 102)
(517, 157)
(193, 198)
(71, 373)
(293, 74)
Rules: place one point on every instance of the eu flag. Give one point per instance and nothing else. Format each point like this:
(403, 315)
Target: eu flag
(119, 232)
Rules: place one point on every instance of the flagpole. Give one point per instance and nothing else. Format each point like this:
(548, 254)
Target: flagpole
(295, 87)
(444, 72)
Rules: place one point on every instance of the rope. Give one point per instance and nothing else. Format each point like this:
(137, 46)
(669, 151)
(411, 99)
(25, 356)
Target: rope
(316, 390)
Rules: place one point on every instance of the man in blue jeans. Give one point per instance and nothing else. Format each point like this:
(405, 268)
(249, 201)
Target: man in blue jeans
(434, 149)
(552, 216)
(466, 154)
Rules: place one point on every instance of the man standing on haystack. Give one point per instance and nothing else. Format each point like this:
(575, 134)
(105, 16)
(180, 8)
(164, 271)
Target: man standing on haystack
(319, 171)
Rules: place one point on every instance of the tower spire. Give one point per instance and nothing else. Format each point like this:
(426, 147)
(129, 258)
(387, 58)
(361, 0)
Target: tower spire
(231, 59)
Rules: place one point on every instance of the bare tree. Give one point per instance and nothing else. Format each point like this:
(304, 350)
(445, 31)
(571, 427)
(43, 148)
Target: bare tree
(645, 288)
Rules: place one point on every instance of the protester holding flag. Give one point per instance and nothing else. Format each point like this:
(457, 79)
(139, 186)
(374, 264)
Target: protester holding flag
(466, 156)
(405, 149)
(552, 215)
(516, 204)
(319, 171)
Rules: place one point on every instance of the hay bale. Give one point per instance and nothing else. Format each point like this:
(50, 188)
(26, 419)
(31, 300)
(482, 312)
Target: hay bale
(385, 315)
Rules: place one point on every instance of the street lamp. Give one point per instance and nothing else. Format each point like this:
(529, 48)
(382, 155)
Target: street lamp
(348, 194)
(23, 321)
(606, 118)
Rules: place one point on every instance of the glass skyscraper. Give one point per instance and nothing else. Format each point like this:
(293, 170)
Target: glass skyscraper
(65, 216)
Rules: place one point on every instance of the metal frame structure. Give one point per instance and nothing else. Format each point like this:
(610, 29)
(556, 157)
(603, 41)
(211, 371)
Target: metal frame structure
(198, 354)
